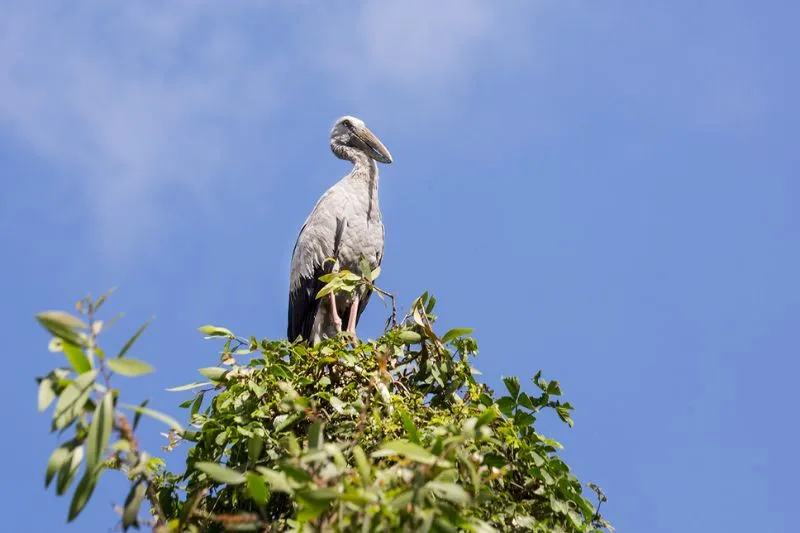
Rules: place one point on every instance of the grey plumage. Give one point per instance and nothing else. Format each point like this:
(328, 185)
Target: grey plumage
(346, 224)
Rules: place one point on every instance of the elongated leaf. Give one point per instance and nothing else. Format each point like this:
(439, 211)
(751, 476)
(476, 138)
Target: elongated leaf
(455, 333)
(68, 470)
(77, 359)
(46, 394)
(198, 401)
(215, 331)
(316, 437)
(449, 491)
(189, 386)
(133, 339)
(161, 417)
(138, 415)
(214, 373)
(99, 431)
(313, 502)
(409, 451)
(56, 461)
(103, 297)
(82, 493)
(73, 398)
(129, 367)
(257, 488)
(220, 473)
(133, 502)
(362, 463)
(411, 428)
(409, 337)
(278, 481)
(62, 325)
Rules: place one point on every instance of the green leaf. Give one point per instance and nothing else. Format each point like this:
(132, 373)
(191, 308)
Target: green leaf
(254, 447)
(215, 331)
(512, 384)
(411, 429)
(56, 461)
(220, 473)
(102, 299)
(198, 401)
(46, 394)
(133, 502)
(409, 337)
(62, 325)
(449, 491)
(138, 414)
(486, 417)
(492, 459)
(525, 401)
(68, 470)
(554, 388)
(257, 488)
(285, 421)
(161, 417)
(129, 367)
(82, 493)
(73, 398)
(213, 373)
(313, 502)
(77, 359)
(375, 273)
(563, 414)
(316, 436)
(133, 339)
(409, 451)
(189, 386)
(455, 333)
(278, 481)
(506, 405)
(523, 419)
(362, 463)
(99, 431)
(337, 404)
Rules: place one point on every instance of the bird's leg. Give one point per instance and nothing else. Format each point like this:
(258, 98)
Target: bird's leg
(351, 324)
(337, 321)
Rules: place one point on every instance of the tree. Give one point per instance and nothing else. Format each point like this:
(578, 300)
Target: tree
(393, 434)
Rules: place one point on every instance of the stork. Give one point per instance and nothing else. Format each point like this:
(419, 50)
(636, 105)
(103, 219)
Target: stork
(345, 224)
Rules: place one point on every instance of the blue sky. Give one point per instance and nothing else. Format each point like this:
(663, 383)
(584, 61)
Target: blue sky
(607, 191)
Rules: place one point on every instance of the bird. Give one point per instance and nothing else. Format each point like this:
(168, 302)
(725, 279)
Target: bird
(346, 225)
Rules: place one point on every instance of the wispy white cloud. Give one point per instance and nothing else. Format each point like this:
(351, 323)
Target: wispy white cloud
(134, 99)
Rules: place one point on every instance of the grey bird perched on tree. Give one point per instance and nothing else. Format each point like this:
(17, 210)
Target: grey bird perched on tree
(345, 224)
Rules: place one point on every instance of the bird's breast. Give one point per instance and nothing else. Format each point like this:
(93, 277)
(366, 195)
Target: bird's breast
(363, 238)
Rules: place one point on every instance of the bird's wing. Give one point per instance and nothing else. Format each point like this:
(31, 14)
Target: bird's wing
(303, 302)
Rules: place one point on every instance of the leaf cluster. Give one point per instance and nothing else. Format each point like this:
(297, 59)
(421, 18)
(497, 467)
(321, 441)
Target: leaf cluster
(391, 434)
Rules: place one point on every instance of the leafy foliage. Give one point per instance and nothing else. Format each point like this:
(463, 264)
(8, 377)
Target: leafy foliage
(393, 434)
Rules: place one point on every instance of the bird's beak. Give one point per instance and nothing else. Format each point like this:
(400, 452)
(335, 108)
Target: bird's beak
(377, 150)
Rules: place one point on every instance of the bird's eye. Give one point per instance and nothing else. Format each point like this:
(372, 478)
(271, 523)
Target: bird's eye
(347, 124)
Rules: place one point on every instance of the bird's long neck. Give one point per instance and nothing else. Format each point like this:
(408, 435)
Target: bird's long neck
(364, 177)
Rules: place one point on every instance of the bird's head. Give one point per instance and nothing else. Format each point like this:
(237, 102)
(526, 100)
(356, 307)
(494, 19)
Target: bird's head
(350, 133)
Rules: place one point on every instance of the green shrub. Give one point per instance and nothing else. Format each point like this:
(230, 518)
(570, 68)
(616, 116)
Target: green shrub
(393, 434)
